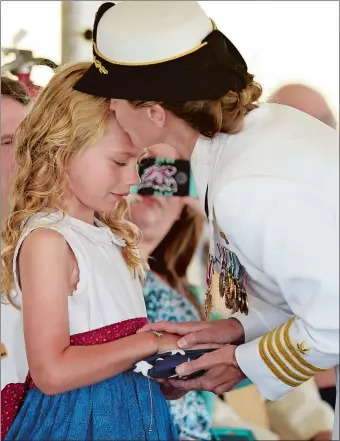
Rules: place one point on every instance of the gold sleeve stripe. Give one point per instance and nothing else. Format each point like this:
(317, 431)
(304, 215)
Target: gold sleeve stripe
(271, 365)
(290, 346)
(280, 362)
(288, 357)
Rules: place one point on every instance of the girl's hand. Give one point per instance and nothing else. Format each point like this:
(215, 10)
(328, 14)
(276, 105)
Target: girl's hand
(167, 342)
(200, 335)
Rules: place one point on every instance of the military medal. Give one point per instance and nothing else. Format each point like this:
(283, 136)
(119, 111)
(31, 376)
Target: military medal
(3, 351)
(232, 294)
(228, 292)
(208, 294)
(208, 303)
(232, 286)
(223, 280)
(222, 283)
(224, 237)
(244, 304)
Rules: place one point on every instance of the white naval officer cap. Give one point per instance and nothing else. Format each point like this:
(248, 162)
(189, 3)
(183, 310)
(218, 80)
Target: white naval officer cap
(163, 51)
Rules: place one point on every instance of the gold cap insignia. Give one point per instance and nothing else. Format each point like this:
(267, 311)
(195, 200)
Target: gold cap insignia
(99, 66)
(224, 237)
(3, 351)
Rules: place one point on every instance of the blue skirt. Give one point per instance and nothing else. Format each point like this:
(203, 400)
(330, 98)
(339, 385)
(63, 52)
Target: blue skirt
(120, 408)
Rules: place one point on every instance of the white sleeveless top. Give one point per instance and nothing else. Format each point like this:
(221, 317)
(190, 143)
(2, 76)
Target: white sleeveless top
(106, 293)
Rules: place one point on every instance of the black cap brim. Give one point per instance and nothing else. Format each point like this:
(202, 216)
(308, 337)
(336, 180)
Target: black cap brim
(207, 73)
(94, 83)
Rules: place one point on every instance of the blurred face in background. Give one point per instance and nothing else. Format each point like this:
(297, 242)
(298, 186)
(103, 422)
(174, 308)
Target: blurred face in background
(307, 100)
(155, 215)
(12, 113)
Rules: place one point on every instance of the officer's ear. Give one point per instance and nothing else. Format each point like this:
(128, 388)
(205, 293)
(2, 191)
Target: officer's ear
(156, 113)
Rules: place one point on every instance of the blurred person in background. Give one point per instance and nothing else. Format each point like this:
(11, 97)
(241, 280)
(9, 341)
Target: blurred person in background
(172, 230)
(306, 99)
(14, 101)
(301, 414)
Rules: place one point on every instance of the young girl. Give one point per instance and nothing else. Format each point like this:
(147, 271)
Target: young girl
(72, 259)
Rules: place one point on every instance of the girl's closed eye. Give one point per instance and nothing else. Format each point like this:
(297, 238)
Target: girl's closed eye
(120, 164)
(7, 140)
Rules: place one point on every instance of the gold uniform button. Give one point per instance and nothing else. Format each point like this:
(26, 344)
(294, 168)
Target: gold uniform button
(224, 237)
(3, 351)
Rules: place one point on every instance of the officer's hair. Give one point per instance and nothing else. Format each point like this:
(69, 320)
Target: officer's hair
(224, 115)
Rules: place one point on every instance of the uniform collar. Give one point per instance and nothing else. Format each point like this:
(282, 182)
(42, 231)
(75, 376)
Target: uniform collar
(202, 161)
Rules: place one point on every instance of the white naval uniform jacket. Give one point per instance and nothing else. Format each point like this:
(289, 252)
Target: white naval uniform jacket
(273, 190)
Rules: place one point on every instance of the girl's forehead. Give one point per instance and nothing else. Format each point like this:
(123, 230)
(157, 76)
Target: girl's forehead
(118, 140)
(117, 143)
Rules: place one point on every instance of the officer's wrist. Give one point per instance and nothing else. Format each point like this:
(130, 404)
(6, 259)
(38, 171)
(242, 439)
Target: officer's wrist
(237, 331)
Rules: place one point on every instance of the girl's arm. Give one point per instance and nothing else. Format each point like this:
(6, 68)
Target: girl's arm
(46, 270)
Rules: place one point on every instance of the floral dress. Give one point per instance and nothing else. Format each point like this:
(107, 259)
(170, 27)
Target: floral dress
(190, 413)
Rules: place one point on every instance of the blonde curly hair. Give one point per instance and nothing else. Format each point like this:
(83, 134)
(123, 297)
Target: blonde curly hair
(61, 123)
